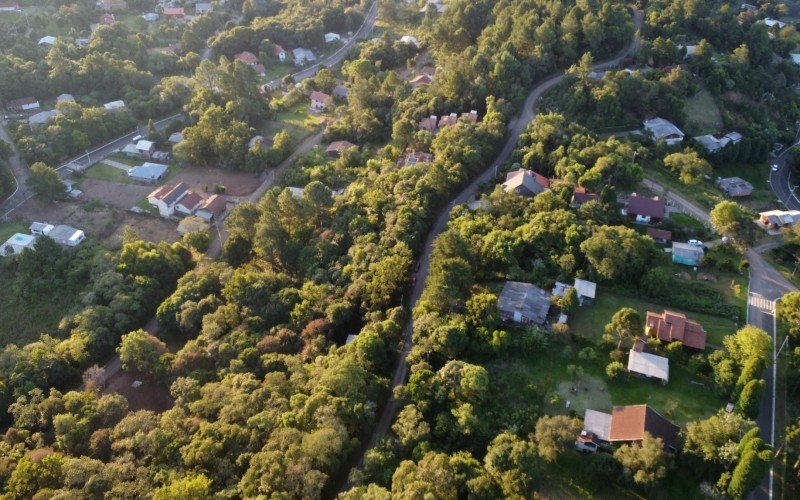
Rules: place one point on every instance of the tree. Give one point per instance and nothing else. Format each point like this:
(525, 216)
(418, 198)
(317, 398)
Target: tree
(750, 399)
(747, 343)
(188, 488)
(619, 253)
(411, 427)
(734, 221)
(788, 309)
(141, 353)
(615, 370)
(754, 461)
(514, 464)
(45, 182)
(554, 434)
(688, 166)
(645, 464)
(710, 438)
(625, 323)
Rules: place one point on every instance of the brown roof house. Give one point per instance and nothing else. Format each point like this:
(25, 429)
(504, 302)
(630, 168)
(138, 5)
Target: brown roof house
(247, 57)
(526, 183)
(523, 303)
(335, 148)
(428, 124)
(446, 121)
(320, 101)
(671, 327)
(659, 235)
(645, 210)
(581, 196)
(627, 424)
(211, 208)
(24, 104)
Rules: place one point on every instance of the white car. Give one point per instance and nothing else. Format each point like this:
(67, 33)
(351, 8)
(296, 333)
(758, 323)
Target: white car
(695, 243)
(774, 167)
(586, 446)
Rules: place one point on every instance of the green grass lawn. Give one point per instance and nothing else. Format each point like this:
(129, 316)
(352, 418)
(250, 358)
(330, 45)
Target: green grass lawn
(686, 221)
(787, 271)
(277, 70)
(703, 115)
(297, 121)
(104, 172)
(127, 160)
(589, 321)
(9, 228)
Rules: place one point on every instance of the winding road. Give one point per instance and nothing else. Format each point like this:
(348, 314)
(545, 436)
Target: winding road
(516, 127)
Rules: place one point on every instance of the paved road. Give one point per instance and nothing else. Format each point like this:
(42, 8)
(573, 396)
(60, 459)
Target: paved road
(332, 60)
(688, 207)
(518, 125)
(20, 173)
(783, 182)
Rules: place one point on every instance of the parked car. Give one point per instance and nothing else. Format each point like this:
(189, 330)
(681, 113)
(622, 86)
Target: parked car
(586, 446)
(696, 243)
(774, 167)
(136, 138)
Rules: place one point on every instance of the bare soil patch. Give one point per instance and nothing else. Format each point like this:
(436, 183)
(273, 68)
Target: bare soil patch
(113, 193)
(203, 180)
(147, 396)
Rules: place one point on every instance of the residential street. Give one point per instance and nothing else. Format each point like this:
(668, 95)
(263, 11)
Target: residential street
(20, 172)
(527, 115)
(766, 285)
(784, 185)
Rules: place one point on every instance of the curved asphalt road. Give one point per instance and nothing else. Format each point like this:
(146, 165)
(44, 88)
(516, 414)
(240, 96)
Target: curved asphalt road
(515, 130)
(785, 186)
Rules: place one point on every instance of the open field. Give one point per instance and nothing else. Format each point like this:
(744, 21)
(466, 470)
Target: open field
(702, 114)
(9, 228)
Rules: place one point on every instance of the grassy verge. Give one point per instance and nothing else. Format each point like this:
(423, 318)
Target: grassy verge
(9, 228)
(787, 271)
(103, 172)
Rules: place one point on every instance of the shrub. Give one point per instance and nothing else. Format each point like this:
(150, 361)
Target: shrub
(615, 370)
(750, 399)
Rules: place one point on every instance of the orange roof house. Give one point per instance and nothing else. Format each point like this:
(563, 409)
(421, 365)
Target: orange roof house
(671, 327)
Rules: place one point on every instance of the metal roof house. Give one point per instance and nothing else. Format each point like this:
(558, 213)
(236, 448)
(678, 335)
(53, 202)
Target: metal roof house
(686, 254)
(148, 172)
(523, 303)
(648, 365)
(734, 186)
(664, 130)
(67, 235)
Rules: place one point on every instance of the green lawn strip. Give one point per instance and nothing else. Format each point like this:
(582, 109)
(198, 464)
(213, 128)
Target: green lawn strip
(145, 205)
(127, 160)
(103, 172)
(784, 268)
(589, 321)
(702, 114)
(9, 228)
(686, 221)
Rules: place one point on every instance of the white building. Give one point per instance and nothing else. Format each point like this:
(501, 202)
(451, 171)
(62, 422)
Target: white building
(65, 98)
(114, 105)
(664, 130)
(648, 365)
(66, 235)
(148, 172)
(411, 40)
(17, 243)
(47, 41)
(166, 198)
(303, 56)
(332, 37)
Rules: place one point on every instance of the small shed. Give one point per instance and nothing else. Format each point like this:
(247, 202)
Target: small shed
(646, 365)
(686, 254)
(586, 291)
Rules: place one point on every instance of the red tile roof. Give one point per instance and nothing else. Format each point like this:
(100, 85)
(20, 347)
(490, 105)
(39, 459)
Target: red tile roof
(671, 326)
(339, 146)
(320, 96)
(174, 11)
(580, 196)
(629, 423)
(247, 58)
(215, 204)
(191, 200)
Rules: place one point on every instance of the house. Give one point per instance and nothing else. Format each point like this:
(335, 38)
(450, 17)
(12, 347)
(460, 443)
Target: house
(335, 148)
(795, 58)
(433, 5)
(714, 143)
(523, 303)
(645, 210)
(429, 71)
(188, 203)
(471, 117)
(429, 124)
(320, 101)
(581, 196)
(114, 105)
(148, 172)
(150, 17)
(332, 37)
(161, 156)
(659, 235)
(17, 243)
(9, 7)
(146, 149)
(771, 23)
(175, 14)
(107, 20)
(176, 137)
(675, 327)
(47, 41)
(560, 289)
(586, 291)
(65, 98)
(416, 157)
(22, 105)
(627, 424)
(247, 57)
(446, 121)
(411, 40)
(691, 50)
(278, 52)
(420, 80)
(82, 42)
(42, 117)
(41, 228)
(341, 92)
(113, 5)
(66, 235)
(203, 8)
(775, 219)
(663, 130)
(350, 339)
(646, 365)
(258, 140)
(303, 56)
(525, 183)
(166, 197)
(130, 150)
(734, 186)
(686, 254)
(211, 208)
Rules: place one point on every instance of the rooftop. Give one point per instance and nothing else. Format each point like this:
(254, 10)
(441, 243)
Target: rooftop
(649, 365)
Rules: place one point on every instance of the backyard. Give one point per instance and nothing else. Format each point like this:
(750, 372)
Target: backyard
(702, 114)
(298, 121)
